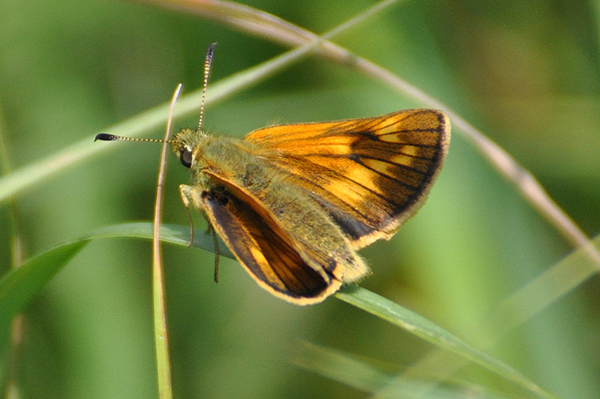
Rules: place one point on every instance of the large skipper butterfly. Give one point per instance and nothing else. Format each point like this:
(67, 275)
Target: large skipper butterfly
(295, 202)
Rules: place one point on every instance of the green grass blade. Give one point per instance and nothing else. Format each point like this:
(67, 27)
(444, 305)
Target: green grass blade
(431, 332)
(366, 377)
(341, 367)
(169, 233)
(20, 286)
(556, 282)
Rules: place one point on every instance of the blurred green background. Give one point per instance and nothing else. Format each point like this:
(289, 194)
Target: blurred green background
(525, 73)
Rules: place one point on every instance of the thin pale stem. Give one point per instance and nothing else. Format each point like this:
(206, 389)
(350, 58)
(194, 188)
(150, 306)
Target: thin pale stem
(161, 342)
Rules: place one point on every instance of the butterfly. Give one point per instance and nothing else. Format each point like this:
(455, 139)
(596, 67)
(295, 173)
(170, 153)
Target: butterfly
(295, 202)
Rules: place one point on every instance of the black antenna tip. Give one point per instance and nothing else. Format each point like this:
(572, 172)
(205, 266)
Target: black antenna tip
(105, 137)
(211, 48)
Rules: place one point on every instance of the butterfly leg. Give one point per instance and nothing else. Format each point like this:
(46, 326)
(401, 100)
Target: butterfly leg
(211, 230)
(186, 197)
(192, 195)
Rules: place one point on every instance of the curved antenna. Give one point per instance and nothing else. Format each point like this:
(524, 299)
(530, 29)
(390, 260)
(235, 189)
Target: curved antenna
(207, 63)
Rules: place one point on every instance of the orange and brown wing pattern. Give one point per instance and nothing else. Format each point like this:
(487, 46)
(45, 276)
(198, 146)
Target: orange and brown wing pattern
(273, 258)
(371, 174)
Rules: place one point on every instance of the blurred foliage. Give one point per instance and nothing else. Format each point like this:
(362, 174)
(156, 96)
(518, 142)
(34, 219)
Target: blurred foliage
(525, 73)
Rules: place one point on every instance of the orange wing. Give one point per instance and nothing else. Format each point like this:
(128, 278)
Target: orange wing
(274, 259)
(371, 174)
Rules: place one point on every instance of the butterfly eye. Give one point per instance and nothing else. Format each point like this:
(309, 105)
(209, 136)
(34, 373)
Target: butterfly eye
(185, 156)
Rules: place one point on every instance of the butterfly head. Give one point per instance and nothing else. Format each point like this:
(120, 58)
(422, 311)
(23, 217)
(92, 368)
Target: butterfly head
(184, 143)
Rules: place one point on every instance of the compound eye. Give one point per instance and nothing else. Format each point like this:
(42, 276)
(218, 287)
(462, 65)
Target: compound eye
(185, 156)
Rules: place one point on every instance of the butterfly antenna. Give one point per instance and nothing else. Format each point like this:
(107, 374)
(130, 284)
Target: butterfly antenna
(114, 137)
(207, 63)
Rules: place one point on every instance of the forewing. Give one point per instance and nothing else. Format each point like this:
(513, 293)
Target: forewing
(267, 252)
(371, 174)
